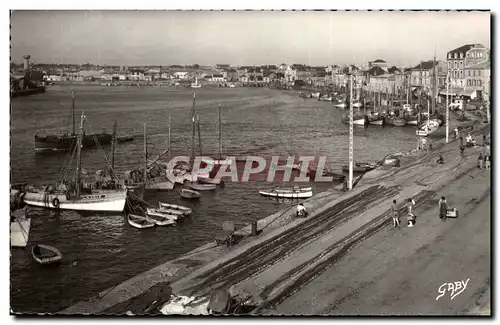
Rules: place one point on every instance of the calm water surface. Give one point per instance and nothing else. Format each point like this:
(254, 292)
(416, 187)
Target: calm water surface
(106, 249)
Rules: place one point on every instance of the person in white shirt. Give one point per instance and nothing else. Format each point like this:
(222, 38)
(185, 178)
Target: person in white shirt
(301, 210)
(411, 217)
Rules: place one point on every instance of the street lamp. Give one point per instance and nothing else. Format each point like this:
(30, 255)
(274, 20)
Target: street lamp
(447, 108)
(351, 133)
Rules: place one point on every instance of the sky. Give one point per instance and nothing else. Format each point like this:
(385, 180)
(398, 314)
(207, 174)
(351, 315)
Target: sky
(242, 37)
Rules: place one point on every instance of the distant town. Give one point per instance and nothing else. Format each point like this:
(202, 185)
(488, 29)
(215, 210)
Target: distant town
(468, 65)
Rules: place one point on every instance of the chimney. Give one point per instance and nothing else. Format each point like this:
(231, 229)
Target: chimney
(26, 62)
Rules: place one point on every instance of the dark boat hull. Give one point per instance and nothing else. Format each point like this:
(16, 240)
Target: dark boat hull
(68, 142)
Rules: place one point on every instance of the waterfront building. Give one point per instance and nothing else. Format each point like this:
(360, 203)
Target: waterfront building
(218, 77)
(461, 57)
(477, 80)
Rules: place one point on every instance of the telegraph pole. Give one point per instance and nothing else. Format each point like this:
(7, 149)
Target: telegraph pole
(447, 108)
(351, 134)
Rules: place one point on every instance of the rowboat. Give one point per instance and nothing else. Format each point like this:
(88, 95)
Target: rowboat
(360, 167)
(202, 187)
(44, 254)
(160, 219)
(208, 180)
(427, 128)
(293, 193)
(357, 119)
(189, 194)
(185, 210)
(376, 120)
(140, 222)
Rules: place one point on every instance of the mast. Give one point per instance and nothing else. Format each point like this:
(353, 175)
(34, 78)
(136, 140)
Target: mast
(73, 110)
(169, 132)
(220, 134)
(113, 147)
(145, 156)
(199, 134)
(434, 83)
(447, 109)
(351, 134)
(79, 157)
(194, 126)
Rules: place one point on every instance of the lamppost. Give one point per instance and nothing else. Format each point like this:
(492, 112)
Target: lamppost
(351, 133)
(447, 108)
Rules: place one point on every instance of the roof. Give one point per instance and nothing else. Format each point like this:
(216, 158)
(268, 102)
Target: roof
(376, 71)
(379, 61)
(480, 65)
(217, 75)
(425, 65)
(465, 48)
(394, 69)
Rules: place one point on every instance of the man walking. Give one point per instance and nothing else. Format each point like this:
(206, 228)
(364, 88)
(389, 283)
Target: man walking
(411, 216)
(443, 208)
(395, 214)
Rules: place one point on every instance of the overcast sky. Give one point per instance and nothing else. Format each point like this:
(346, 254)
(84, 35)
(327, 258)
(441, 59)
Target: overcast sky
(241, 37)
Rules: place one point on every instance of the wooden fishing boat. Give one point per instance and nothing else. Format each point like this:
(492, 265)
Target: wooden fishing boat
(376, 119)
(189, 194)
(357, 119)
(293, 193)
(160, 219)
(185, 210)
(44, 254)
(140, 222)
(19, 229)
(412, 120)
(202, 187)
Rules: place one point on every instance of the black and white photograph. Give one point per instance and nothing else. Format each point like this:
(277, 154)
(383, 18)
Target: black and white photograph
(250, 162)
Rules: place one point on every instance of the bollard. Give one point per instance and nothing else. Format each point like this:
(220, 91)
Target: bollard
(254, 228)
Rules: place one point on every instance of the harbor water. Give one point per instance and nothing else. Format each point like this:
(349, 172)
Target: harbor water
(100, 251)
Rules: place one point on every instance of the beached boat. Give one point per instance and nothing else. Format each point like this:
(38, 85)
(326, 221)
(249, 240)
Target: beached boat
(326, 98)
(183, 209)
(202, 187)
(189, 194)
(159, 218)
(140, 222)
(44, 254)
(360, 167)
(19, 229)
(293, 193)
(427, 128)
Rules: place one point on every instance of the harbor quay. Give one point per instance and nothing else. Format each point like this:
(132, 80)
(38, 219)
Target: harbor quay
(345, 258)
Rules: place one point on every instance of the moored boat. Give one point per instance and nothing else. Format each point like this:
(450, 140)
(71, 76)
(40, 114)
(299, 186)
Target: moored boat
(357, 119)
(293, 193)
(208, 180)
(140, 222)
(125, 138)
(395, 121)
(359, 167)
(161, 219)
(187, 193)
(202, 187)
(184, 209)
(45, 254)
(427, 128)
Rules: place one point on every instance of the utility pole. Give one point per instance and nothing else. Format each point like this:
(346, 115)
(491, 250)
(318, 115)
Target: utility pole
(351, 134)
(447, 106)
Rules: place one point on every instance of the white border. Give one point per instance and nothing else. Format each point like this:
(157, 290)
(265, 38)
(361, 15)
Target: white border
(185, 4)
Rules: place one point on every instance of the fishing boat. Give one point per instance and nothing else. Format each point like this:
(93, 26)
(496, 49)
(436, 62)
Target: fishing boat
(161, 218)
(357, 105)
(140, 222)
(165, 213)
(19, 228)
(357, 119)
(315, 94)
(293, 193)
(189, 194)
(67, 142)
(195, 84)
(395, 121)
(412, 120)
(185, 210)
(326, 98)
(45, 254)
(75, 195)
(303, 95)
(202, 187)
(376, 119)
(341, 105)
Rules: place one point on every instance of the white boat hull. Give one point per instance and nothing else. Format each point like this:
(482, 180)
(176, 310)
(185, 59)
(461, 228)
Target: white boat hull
(184, 210)
(340, 105)
(288, 194)
(359, 121)
(412, 122)
(19, 232)
(164, 216)
(111, 202)
(135, 222)
(377, 122)
(163, 185)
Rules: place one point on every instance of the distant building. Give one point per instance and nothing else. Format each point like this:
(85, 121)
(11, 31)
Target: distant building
(461, 57)
(478, 78)
(378, 63)
(422, 75)
(222, 66)
(181, 75)
(216, 77)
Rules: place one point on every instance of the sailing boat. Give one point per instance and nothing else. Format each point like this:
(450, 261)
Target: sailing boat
(77, 195)
(428, 127)
(67, 142)
(195, 84)
(220, 161)
(358, 118)
(156, 176)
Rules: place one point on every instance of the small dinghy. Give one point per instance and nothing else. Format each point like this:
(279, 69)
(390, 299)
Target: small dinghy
(159, 213)
(140, 222)
(160, 220)
(360, 167)
(202, 187)
(44, 254)
(208, 180)
(184, 210)
(190, 194)
(293, 193)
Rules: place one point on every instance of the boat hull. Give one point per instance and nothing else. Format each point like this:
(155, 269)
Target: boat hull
(288, 194)
(140, 222)
(190, 194)
(68, 142)
(19, 232)
(100, 202)
(55, 254)
(155, 213)
(202, 187)
(184, 210)
(377, 122)
(412, 122)
(159, 184)
(359, 121)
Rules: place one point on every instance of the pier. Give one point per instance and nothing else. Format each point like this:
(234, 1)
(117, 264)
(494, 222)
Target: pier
(346, 253)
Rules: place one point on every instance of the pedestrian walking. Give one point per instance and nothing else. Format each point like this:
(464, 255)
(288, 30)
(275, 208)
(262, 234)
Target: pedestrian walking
(481, 160)
(395, 214)
(462, 151)
(484, 139)
(411, 217)
(487, 164)
(443, 208)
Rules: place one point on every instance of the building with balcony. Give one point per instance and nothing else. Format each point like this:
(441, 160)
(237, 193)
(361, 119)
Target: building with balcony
(461, 57)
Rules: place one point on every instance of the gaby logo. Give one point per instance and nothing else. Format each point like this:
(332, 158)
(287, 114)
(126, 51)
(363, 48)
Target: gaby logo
(454, 288)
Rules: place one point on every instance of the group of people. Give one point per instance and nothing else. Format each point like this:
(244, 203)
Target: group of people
(410, 203)
(484, 160)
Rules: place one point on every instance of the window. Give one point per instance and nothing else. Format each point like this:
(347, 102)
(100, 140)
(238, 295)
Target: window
(468, 82)
(479, 73)
(455, 55)
(473, 82)
(449, 55)
(461, 55)
(479, 82)
(468, 73)
(461, 74)
(449, 65)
